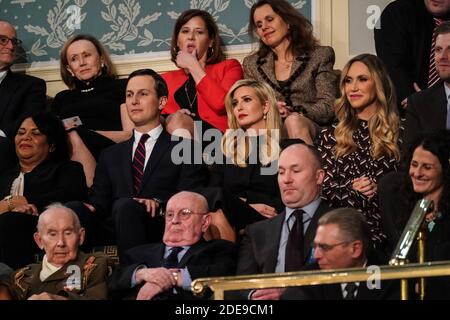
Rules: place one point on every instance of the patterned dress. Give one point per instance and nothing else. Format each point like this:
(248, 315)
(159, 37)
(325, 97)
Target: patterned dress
(340, 172)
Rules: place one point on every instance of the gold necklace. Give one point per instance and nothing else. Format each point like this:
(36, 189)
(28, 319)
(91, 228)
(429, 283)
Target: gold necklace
(188, 97)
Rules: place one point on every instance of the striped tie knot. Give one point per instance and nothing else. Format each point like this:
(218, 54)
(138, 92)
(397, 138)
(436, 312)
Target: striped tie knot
(138, 163)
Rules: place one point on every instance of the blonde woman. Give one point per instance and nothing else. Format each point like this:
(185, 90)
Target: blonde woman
(244, 189)
(364, 143)
(93, 110)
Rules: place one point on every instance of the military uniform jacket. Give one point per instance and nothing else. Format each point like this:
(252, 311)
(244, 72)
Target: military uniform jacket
(82, 279)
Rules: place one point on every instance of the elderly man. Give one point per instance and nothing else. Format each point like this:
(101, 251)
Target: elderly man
(343, 241)
(65, 273)
(282, 243)
(19, 94)
(166, 270)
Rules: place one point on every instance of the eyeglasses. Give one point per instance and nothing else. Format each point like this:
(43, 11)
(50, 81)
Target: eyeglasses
(4, 41)
(327, 247)
(183, 214)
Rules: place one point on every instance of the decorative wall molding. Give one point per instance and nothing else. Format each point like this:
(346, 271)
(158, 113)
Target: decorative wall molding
(160, 64)
(321, 18)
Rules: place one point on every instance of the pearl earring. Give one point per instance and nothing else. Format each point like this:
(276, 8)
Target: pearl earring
(265, 116)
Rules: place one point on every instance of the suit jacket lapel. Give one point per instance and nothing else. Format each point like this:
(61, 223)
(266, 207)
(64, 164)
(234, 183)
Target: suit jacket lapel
(312, 227)
(191, 252)
(160, 148)
(127, 164)
(268, 67)
(441, 106)
(8, 87)
(274, 241)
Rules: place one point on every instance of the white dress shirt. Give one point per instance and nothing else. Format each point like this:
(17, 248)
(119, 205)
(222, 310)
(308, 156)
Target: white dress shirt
(149, 144)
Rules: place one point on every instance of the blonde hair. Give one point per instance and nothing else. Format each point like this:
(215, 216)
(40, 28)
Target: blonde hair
(384, 125)
(235, 144)
(108, 68)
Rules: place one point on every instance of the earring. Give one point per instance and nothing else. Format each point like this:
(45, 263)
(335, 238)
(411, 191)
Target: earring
(265, 116)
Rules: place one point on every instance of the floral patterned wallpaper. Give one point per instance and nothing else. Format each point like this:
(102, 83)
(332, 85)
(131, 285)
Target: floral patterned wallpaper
(125, 27)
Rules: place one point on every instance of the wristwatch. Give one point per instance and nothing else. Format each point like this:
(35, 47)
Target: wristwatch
(8, 200)
(175, 276)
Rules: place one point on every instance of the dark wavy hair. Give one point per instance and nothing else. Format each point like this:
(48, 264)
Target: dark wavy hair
(301, 38)
(215, 54)
(52, 127)
(438, 143)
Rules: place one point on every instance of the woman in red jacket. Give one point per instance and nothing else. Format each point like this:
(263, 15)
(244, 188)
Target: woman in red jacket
(197, 90)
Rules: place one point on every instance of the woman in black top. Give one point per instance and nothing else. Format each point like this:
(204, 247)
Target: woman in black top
(427, 176)
(95, 96)
(44, 175)
(244, 188)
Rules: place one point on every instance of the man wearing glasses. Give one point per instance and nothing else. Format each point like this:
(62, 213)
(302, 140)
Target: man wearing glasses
(343, 241)
(165, 270)
(20, 94)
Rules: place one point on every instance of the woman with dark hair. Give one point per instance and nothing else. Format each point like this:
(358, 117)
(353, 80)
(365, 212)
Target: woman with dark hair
(197, 90)
(364, 143)
(94, 97)
(44, 175)
(427, 176)
(291, 61)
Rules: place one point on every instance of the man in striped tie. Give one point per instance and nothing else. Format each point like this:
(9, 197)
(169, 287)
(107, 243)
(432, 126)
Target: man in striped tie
(404, 42)
(134, 178)
(429, 109)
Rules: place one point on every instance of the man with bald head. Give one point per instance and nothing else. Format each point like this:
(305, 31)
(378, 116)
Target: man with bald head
(20, 94)
(165, 270)
(283, 243)
(65, 272)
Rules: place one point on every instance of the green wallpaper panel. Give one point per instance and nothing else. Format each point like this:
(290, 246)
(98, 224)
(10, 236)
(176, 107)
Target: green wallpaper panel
(126, 27)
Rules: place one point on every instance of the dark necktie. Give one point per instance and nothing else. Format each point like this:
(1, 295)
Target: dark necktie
(138, 163)
(350, 289)
(433, 76)
(294, 248)
(172, 259)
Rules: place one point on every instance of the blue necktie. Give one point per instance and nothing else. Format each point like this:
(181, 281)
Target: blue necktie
(172, 259)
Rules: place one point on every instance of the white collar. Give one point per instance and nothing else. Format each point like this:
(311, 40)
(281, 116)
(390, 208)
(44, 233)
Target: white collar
(3, 75)
(154, 134)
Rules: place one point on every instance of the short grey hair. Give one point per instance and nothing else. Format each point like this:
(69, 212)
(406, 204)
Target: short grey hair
(48, 210)
(352, 225)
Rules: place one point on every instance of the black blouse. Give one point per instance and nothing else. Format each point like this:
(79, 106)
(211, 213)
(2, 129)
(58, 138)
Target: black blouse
(48, 182)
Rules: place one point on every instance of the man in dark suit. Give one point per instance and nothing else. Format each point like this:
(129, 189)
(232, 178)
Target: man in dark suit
(165, 270)
(403, 42)
(429, 109)
(19, 94)
(343, 241)
(264, 245)
(135, 177)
